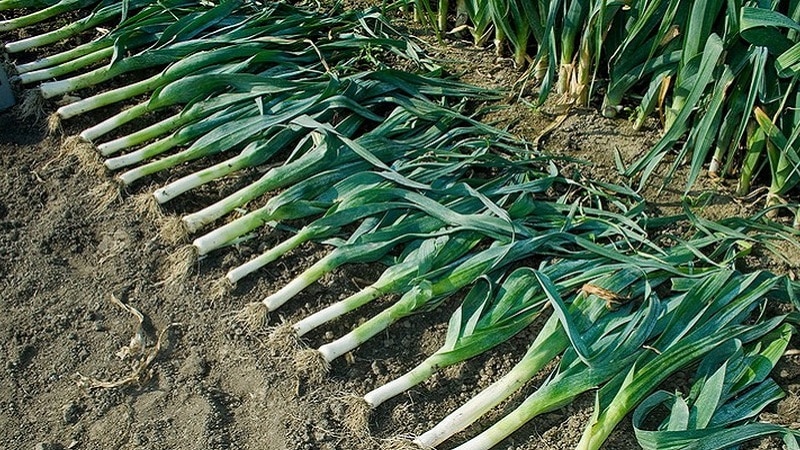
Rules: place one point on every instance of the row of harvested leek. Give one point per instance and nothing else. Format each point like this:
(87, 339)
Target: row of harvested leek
(384, 166)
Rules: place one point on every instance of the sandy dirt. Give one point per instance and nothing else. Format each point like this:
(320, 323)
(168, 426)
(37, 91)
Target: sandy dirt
(213, 383)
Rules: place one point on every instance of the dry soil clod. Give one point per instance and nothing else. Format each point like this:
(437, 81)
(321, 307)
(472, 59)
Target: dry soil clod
(32, 105)
(283, 340)
(255, 315)
(172, 230)
(146, 205)
(9, 67)
(358, 412)
(401, 443)
(311, 365)
(179, 265)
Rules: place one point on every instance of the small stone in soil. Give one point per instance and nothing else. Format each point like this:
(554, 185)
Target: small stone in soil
(70, 413)
(195, 366)
(47, 446)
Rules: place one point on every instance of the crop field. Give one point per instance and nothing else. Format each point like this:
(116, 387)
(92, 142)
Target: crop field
(240, 224)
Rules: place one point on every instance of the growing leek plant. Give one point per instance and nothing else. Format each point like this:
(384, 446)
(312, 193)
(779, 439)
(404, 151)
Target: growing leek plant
(513, 239)
(619, 343)
(721, 77)
(425, 295)
(249, 49)
(417, 259)
(725, 83)
(143, 28)
(400, 134)
(104, 12)
(422, 256)
(258, 85)
(354, 162)
(603, 297)
(392, 217)
(18, 4)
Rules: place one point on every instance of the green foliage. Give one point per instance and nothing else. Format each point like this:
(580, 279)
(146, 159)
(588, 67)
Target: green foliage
(731, 387)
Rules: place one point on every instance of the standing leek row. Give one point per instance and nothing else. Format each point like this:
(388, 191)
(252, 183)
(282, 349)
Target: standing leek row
(729, 66)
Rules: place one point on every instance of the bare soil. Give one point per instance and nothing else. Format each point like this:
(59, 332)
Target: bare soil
(214, 384)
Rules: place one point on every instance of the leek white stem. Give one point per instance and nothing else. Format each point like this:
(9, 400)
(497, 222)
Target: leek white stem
(363, 332)
(114, 122)
(41, 39)
(61, 87)
(65, 68)
(168, 162)
(277, 177)
(130, 176)
(101, 15)
(224, 234)
(145, 134)
(36, 17)
(302, 281)
(550, 342)
(200, 178)
(340, 346)
(237, 273)
(108, 97)
(64, 57)
(399, 385)
(144, 153)
(337, 309)
(199, 219)
(548, 397)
